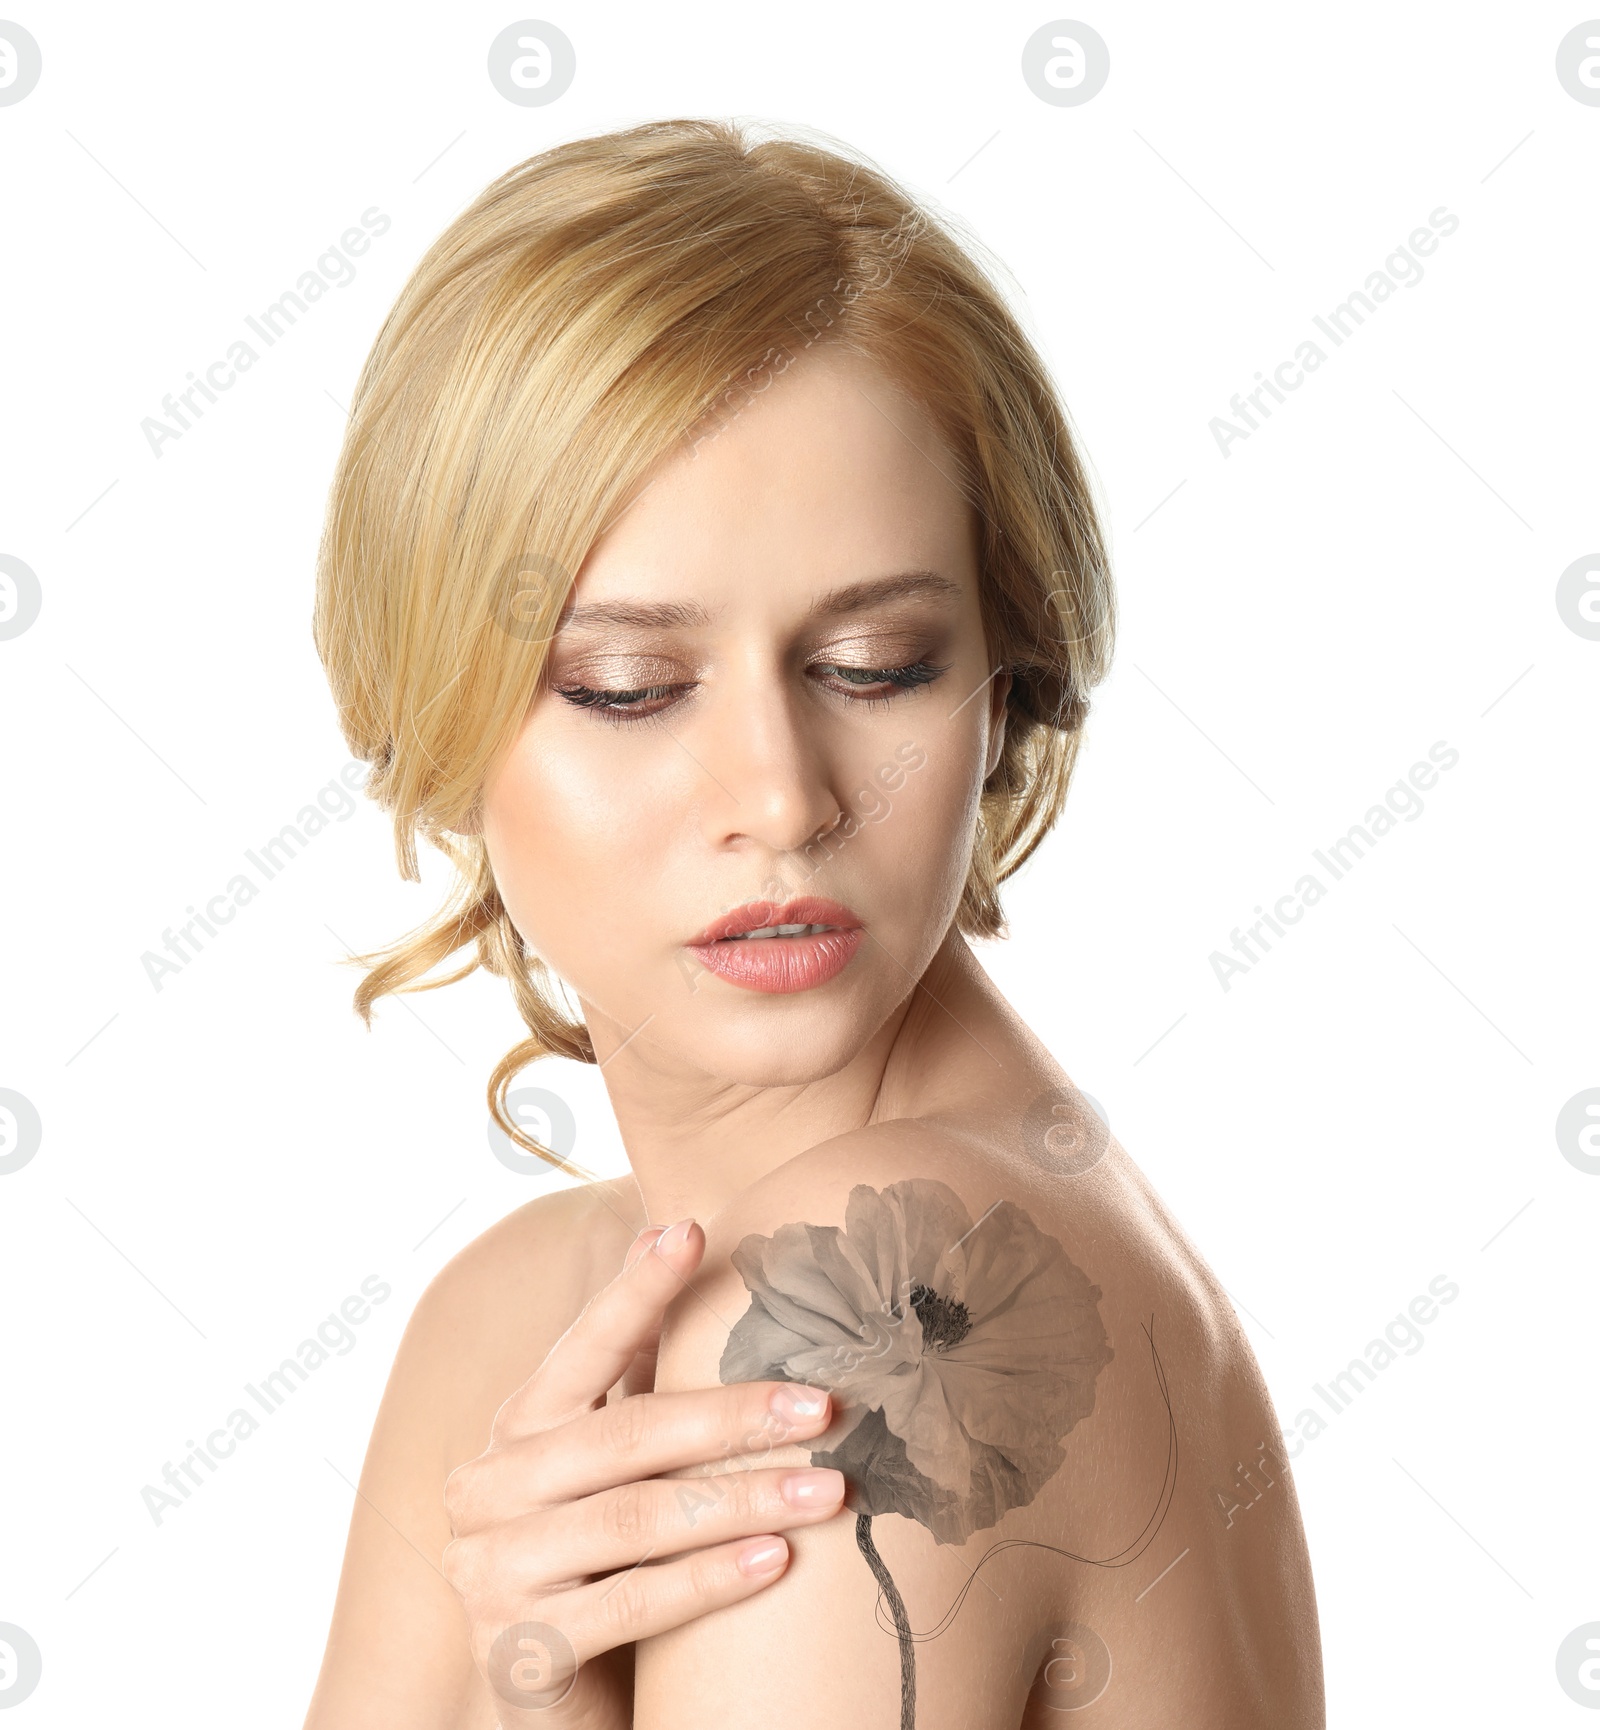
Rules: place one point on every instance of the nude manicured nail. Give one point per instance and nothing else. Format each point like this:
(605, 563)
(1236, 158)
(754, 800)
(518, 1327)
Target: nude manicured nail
(674, 1237)
(815, 1488)
(762, 1556)
(798, 1404)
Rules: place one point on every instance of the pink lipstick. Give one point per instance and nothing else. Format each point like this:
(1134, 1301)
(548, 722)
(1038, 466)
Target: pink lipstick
(768, 946)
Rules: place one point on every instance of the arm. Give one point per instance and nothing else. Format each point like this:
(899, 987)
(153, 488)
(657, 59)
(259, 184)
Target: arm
(397, 1654)
(504, 1585)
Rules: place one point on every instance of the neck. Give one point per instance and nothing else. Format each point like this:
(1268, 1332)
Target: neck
(696, 1140)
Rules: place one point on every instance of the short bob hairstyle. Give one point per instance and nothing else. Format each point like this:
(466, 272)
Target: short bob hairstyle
(598, 308)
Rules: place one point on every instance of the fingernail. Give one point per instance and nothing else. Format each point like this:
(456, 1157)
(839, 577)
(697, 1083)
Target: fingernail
(812, 1489)
(763, 1556)
(674, 1237)
(798, 1404)
(641, 1243)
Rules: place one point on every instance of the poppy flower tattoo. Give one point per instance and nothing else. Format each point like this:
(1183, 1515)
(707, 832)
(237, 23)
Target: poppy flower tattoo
(960, 1352)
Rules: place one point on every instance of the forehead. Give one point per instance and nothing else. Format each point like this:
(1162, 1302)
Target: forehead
(828, 474)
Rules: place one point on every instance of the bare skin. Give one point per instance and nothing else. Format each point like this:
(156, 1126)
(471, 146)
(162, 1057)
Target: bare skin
(532, 1456)
(1228, 1637)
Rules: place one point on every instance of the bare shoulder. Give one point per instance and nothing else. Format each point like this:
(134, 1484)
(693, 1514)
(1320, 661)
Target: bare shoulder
(482, 1326)
(516, 1287)
(1049, 1397)
(397, 1653)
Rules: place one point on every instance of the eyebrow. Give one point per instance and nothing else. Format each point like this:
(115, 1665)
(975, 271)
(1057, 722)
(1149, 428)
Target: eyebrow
(851, 598)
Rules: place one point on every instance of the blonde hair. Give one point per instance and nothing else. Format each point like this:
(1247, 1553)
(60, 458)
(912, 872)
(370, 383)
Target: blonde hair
(597, 308)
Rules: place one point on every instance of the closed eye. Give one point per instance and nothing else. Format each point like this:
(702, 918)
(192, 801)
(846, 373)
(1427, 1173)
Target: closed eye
(856, 684)
(621, 706)
(881, 684)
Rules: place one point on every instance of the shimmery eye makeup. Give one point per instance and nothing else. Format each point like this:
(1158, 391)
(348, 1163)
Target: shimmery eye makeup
(856, 684)
(618, 706)
(906, 678)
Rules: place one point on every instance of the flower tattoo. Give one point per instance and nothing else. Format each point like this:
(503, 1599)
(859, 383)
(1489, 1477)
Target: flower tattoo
(961, 1352)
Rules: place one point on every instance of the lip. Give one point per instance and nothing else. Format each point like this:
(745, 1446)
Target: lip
(754, 915)
(780, 964)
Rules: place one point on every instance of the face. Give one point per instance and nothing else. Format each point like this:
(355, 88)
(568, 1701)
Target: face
(739, 813)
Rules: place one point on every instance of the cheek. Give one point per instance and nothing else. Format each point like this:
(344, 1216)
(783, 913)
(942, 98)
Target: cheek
(565, 838)
(913, 817)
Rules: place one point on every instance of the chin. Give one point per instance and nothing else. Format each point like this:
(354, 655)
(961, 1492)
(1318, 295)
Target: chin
(783, 1046)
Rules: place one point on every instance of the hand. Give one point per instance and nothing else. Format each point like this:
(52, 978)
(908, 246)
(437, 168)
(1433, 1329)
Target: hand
(552, 1520)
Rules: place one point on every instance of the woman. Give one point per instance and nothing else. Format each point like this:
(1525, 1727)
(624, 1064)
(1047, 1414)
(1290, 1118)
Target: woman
(710, 573)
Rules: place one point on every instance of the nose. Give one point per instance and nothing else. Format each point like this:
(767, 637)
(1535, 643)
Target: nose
(766, 749)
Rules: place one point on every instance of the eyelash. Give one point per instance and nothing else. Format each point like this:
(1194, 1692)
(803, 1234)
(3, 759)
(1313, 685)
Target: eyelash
(615, 706)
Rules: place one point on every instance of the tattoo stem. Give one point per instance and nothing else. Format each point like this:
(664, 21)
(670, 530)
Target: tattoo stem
(902, 1624)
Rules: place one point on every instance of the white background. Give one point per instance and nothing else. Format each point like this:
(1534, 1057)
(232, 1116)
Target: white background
(1373, 570)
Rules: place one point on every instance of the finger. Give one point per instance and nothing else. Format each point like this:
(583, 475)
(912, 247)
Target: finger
(600, 1345)
(640, 1376)
(557, 1548)
(574, 1626)
(658, 1596)
(631, 1439)
(645, 1240)
(660, 1517)
(649, 1434)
